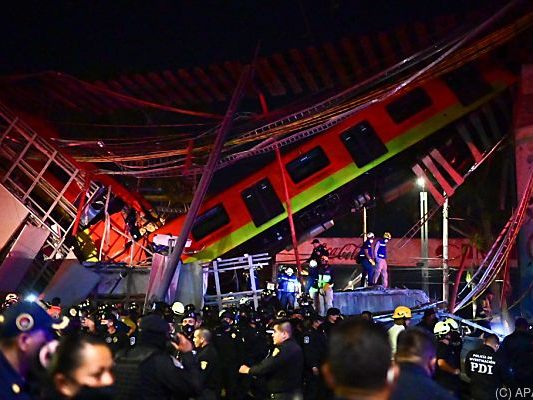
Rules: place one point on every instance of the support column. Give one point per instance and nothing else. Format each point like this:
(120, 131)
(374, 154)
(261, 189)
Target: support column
(445, 267)
(524, 166)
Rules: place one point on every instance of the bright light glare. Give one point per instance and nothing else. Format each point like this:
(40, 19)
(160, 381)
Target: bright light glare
(420, 182)
(31, 297)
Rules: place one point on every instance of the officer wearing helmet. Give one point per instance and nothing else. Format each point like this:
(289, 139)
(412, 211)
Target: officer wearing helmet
(315, 262)
(402, 318)
(288, 287)
(448, 364)
(366, 259)
(380, 250)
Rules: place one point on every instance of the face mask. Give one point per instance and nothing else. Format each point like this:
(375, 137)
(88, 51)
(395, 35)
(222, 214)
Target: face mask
(96, 393)
(371, 240)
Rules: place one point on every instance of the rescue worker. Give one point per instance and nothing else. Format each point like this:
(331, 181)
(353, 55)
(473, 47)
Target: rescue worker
(483, 368)
(319, 250)
(380, 251)
(283, 367)
(24, 329)
(314, 261)
(366, 259)
(325, 287)
(402, 318)
(288, 288)
(210, 365)
(448, 370)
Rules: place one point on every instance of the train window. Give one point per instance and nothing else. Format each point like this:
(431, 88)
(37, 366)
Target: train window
(363, 143)
(210, 221)
(408, 105)
(307, 164)
(467, 84)
(262, 202)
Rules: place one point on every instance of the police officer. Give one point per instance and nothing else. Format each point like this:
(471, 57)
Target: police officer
(416, 358)
(114, 333)
(210, 366)
(483, 368)
(24, 329)
(229, 344)
(315, 350)
(149, 371)
(366, 259)
(380, 250)
(283, 367)
(333, 317)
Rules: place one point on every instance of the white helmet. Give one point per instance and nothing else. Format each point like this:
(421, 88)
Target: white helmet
(454, 326)
(370, 235)
(441, 329)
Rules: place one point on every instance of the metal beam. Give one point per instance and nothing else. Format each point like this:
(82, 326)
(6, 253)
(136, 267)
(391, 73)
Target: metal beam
(199, 195)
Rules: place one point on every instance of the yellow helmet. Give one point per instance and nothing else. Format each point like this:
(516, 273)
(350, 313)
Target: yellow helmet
(401, 312)
(387, 235)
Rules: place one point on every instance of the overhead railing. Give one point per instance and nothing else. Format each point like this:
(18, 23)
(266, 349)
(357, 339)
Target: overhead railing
(499, 253)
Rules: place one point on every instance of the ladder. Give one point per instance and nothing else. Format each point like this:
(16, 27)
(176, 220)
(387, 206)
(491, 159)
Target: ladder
(46, 182)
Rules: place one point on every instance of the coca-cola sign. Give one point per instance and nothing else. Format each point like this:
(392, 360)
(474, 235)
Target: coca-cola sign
(344, 251)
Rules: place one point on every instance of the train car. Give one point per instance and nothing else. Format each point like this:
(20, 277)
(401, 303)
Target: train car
(327, 162)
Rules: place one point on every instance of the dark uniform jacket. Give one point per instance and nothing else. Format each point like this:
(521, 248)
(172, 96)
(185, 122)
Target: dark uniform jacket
(445, 379)
(12, 385)
(483, 369)
(516, 353)
(282, 368)
(162, 377)
(414, 384)
(117, 341)
(314, 347)
(210, 368)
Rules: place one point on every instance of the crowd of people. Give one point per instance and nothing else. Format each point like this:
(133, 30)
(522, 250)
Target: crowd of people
(118, 351)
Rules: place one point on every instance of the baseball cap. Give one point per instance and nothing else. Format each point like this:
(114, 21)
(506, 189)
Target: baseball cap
(333, 311)
(153, 323)
(24, 317)
(315, 241)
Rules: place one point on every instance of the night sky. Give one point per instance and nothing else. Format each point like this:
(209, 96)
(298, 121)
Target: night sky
(100, 39)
